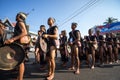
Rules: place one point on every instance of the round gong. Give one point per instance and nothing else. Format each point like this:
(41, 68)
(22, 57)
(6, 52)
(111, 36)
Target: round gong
(11, 55)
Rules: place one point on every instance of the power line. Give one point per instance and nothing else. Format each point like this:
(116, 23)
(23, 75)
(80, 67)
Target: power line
(78, 9)
(82, 9)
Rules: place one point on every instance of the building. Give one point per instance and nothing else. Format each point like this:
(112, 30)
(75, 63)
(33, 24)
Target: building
(10, 29)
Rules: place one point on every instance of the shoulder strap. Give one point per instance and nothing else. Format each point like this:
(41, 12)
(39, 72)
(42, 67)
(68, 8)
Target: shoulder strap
(73, 35)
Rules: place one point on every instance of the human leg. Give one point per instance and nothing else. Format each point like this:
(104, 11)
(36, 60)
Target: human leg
(52, 62)
(21, 71)
(72, 59)
(93, 58)
(76, 52)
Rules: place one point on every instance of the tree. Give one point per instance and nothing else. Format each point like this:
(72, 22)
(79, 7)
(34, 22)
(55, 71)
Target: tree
(110, 20)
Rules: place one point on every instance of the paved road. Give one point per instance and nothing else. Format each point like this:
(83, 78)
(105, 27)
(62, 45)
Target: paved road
(108, 72)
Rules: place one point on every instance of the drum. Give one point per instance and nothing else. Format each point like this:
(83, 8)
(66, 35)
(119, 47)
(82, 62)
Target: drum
(43, 45)
(11, 55)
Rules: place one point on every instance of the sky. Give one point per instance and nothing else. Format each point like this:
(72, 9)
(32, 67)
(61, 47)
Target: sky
(87, 13)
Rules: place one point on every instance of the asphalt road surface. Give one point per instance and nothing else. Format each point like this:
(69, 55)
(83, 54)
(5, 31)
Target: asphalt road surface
(33, 72)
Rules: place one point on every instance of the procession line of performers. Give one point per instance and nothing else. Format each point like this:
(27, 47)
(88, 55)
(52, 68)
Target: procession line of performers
(92, 48)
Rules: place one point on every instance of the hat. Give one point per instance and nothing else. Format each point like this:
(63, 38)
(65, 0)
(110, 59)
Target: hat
(75, 24)
(52, 19)
(23, 15)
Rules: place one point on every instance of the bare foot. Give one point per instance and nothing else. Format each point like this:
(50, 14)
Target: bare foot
(48, 74)
(92, 67)
(50, 77)
(71, 68)
(77, 71)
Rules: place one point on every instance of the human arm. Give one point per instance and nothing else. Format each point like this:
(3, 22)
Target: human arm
(23, 33)
(54, 36)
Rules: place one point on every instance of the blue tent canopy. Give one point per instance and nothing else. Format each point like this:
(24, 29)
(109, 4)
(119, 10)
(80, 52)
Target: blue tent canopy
(114, 27)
